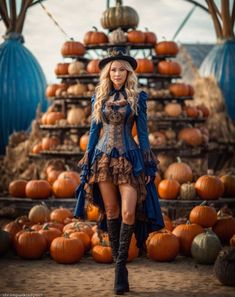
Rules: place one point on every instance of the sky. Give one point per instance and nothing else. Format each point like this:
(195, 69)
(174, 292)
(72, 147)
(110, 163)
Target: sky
(76, 17)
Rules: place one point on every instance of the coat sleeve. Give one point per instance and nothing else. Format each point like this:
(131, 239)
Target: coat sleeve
(94, 133)
(150, 161)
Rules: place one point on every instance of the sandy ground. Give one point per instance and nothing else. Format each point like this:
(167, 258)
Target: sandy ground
(44, 277)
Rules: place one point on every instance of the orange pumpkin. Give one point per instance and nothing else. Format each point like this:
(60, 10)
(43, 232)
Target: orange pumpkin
(95, 37)
(229, 185)
(191, 136)
(52, 176)
(71, 174)
(150, 37)
(66, 250)
(92, 212)
(186, 233)
(12, 228)
(224, 228)
(61, 68)
(30, 244)
(168, 68)
(173, 109)
(136, 36)
(38, 189)
(73, 48)
(53, 117)
(49, 234)
(64, 187)
(17, 188)
(102, 254)
(209, 187)
(60, 214)
(83, 142)
(168, 189)
(84, 237)
(144, 66)
(50, 143)
(51, 89)
(162, 246)
(205, 216)
(179, 171)
(232, 241)
(166, 48)
(92, 66)
(179, 89)
(191, 111)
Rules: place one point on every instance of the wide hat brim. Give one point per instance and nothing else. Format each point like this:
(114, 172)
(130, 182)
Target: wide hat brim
(129, 59)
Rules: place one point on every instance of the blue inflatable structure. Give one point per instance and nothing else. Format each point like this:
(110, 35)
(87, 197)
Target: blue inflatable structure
(22, 88)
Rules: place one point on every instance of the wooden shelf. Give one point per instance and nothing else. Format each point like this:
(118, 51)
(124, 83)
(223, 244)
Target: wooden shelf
(139, 75)
(176, 119)
(63, 128)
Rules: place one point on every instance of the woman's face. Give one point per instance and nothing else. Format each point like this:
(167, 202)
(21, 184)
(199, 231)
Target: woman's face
(118, 74)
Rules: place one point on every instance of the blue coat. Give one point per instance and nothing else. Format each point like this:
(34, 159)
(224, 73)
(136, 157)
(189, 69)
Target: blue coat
(141, 158)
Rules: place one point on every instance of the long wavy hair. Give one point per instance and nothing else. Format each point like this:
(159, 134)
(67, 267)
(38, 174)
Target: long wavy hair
(105, 84)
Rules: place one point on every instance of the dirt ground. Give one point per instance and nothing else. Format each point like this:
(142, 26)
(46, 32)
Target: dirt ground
(44, 277)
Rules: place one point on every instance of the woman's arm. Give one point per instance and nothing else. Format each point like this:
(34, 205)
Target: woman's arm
(150, 160)
(94, 133)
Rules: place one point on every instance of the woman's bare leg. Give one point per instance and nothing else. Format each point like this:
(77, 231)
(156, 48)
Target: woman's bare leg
(129, 200)
(109, 194)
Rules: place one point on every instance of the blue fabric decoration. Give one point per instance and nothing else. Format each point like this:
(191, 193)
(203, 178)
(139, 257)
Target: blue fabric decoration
(220, 62)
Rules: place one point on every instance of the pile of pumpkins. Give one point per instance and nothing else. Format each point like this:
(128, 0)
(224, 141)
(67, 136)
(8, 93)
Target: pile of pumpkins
(57, 232)
(178, 184)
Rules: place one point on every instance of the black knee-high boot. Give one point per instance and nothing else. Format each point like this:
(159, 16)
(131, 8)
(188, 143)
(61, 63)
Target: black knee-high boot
(121, 274)
(113, 226)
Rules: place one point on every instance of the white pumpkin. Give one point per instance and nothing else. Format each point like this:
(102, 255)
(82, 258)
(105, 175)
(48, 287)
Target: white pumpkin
(75, 116)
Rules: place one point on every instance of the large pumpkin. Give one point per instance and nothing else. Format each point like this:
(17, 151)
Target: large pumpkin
(49, 234)
(205, 247)
(179, 171)
(209, 187)
(83, 236)
(162, 246)
(75, 116)
(150, 37)
(123, 17)
(73, 48)
(17, 188)
(66, 250)
(136, 36)
(38, 189)
(95, 37)
(205, 216)
(30, 244)
(71, 174)
(186, 233)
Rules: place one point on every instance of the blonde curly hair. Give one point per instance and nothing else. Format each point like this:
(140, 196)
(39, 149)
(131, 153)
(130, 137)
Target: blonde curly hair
(103, 88)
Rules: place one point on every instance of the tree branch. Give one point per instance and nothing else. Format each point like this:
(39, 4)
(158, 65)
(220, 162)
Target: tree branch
(20, 20)
(226, 20)
(217, 25)
(12, 15)
(4, 14)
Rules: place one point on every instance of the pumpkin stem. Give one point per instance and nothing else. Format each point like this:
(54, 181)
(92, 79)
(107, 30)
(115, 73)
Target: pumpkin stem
(203, 203)
(66, 235)
(178, 159)
(95, 28)
(210, 172)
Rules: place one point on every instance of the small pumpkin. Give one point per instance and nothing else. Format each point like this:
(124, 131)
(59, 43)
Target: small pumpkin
(150, 37)
(71, 174)
(75, 116)
(203, 215)
(50, 143)
(83, 142)
(38, 189)
(59, 215)
(64, 187)
(49, 234)
(191, 136)
(206, 247)
(12, 228)
(92, 212)
(77, 89)
(72, 48)
(61, 68)
(224, 228)
(54, 117)
(179, 89)
(17, 188)
(95, 37)
(39, 214)
(76, 67)
(173, 109)
(136, 36)
(144, 66)
(229, 185)
(187, 191)
(168, 68)
(93, 66)
(117, 36)
(83, 236)
(166, 48)
(168, 189)
(37, 148)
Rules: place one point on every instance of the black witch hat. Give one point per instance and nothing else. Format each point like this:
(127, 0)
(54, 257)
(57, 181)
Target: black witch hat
(118, 53)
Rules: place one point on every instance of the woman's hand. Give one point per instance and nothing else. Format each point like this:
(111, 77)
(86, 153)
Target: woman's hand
(147, 179)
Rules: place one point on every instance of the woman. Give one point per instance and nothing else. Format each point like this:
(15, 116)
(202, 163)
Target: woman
(119, 174)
